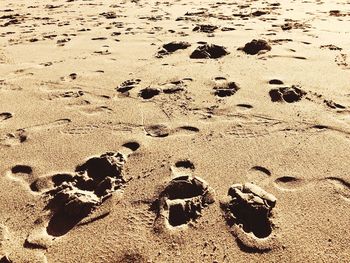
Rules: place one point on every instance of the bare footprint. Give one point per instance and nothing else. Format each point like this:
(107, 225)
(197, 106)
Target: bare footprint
(128, 85)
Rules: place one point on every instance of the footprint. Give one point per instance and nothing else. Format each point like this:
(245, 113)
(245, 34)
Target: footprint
(341, 187)
(226, 90)
(50, 125)
(276, 82)
(182, 167)
(174, 87)
(157, 131)
(289, 183)
(209, 52)
(13, 139)
(5, 115)
(342, 61)
(182, 202)
(21, 173)
(128, 85)
(171, 48)
(205, 28)
(287, 94)
(255, 46)
(248, 213)
(162, 130)
(22, 169)
(66, 94)
(259, 175)
(74, 196)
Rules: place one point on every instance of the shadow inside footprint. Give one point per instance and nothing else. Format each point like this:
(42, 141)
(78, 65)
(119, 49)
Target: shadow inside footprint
(250, 208)
(24, 169)
(61, 223)
(149, 93)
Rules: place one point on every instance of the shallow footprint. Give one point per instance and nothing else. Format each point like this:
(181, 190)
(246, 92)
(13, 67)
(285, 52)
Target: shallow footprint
(13, 139)
(289, 183)
(158, 130)
(341, 186)
(186, 129)
(162, 130)
(259, 174)
(5, 115)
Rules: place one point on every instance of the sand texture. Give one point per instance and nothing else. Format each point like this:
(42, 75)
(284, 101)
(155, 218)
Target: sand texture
(174, 131)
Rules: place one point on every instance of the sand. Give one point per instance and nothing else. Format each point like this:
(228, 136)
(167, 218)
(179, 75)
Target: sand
(179, 131)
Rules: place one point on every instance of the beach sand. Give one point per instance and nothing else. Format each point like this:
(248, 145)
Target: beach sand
(174, 131)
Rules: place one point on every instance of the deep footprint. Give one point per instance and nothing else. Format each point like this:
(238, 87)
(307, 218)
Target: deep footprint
(226, 90)
(209, 52)
(287, 94)
(255, 46)
(248, 214)
(76, 195)
(182, 201)
(171, 48)
(205, 28)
